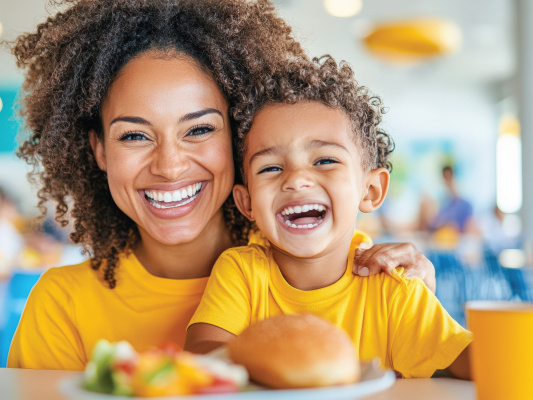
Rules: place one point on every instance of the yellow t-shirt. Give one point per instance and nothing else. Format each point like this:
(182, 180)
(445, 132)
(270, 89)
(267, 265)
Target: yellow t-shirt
(70, 309)
(394, 318)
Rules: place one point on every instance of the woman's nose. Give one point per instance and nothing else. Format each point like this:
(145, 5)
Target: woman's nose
(297, 179)
(169, 161)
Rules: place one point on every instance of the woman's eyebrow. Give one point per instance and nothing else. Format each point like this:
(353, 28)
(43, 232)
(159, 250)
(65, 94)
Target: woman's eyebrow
(200, 113)
(133, 120)
(186, 117)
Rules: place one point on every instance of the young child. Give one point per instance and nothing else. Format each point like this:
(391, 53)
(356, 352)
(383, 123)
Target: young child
(312, 158)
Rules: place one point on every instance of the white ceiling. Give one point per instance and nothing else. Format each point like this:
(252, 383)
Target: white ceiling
(487, 54)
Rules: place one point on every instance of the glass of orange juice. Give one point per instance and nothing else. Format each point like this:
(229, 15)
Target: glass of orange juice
(502, 350)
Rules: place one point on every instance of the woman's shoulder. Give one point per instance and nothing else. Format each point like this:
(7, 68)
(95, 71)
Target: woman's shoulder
(69, 278)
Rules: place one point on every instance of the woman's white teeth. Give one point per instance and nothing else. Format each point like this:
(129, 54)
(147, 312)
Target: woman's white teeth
(301, 209)
(175, 195)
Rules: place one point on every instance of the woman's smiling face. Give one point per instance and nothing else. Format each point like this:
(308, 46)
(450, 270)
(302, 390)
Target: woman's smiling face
(167, 146)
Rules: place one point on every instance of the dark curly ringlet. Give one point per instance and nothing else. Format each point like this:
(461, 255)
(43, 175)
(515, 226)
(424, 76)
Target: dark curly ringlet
(72, 59)
(332, 84)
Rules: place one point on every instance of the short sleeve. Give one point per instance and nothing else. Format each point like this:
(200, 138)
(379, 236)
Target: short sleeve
(424, 338)
(47, 337)
(226, 300)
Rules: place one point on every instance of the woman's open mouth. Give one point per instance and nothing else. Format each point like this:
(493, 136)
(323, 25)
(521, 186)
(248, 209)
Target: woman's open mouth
(174, 198)
(305, 216)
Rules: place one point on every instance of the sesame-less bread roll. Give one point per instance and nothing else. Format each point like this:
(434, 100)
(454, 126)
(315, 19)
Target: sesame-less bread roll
(296, 351)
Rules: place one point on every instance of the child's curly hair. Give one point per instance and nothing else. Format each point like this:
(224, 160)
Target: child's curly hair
(325, 81)
(73, 57)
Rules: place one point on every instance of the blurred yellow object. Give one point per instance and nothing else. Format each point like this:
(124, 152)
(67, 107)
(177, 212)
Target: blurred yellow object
(29, 258)
(413, 40)
(191, 377)
(155, 376)
(509, 125)
(502, 349)
(446, 238)
(163, 375)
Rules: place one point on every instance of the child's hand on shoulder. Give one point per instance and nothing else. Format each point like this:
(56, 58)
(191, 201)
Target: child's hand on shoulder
(372, 259)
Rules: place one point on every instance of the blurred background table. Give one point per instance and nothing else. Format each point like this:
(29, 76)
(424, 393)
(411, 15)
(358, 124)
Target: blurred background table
(18, 384)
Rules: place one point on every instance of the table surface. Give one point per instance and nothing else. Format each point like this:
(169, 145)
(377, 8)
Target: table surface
(20, 384)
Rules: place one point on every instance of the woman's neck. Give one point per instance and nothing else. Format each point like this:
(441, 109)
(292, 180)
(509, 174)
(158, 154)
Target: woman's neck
(189, 260)
(314, 272)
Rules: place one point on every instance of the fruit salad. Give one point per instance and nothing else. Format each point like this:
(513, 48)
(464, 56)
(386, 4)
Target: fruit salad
(116, 368)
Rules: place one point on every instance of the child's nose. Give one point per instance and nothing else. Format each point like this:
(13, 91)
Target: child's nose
(297, 179)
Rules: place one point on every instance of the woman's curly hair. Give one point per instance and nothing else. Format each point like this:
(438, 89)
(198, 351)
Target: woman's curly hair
(72, 59)
(325, 81)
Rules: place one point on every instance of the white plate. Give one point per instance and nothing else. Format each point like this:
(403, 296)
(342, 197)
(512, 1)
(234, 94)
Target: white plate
(373, 380)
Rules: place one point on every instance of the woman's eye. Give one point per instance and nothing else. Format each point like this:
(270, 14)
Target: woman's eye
(200, 130)
(323, 161)
(131, 136)
(270, 169)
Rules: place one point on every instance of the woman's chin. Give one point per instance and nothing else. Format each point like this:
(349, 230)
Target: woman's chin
(170, 236)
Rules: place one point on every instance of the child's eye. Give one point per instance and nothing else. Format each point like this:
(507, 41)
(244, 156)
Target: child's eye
(323, 161)
(132, 136)
(272, 168)
(200, 130)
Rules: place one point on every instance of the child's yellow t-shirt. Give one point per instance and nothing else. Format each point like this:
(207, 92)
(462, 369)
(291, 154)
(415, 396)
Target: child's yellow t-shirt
(70, 309)
(391, 317)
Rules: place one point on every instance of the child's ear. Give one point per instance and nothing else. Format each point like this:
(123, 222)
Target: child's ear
(375, 190)
(98, 150)
(243, 201)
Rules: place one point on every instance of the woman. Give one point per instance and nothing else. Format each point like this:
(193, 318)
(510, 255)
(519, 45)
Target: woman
(128, 104)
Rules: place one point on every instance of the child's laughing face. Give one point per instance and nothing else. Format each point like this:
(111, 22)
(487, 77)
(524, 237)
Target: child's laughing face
(304, 178)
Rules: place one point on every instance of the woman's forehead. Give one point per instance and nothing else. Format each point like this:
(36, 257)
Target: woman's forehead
(151, 83)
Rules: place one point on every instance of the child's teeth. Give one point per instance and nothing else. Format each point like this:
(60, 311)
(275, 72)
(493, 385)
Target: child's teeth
(301, 209)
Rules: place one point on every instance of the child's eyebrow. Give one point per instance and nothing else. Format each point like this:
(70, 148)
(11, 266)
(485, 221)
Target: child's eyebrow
(265, 152)
(325, 143)
(311, 145)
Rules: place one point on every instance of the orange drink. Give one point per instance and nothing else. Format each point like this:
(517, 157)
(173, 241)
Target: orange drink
(502, 350)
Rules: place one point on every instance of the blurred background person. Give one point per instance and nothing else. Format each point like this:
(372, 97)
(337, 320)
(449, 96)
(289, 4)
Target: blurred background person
(11, 239)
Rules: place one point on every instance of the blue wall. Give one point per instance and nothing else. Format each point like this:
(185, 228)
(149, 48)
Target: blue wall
(9, 122)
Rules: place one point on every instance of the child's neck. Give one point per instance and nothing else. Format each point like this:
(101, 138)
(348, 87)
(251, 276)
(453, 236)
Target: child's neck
(314, 272)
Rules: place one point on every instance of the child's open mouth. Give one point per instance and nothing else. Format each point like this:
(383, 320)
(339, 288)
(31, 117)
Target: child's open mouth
(306, 216)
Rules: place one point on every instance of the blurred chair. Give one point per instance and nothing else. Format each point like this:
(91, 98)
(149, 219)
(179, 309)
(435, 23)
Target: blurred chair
(17, 291)
(516, 286)
(451, 283)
